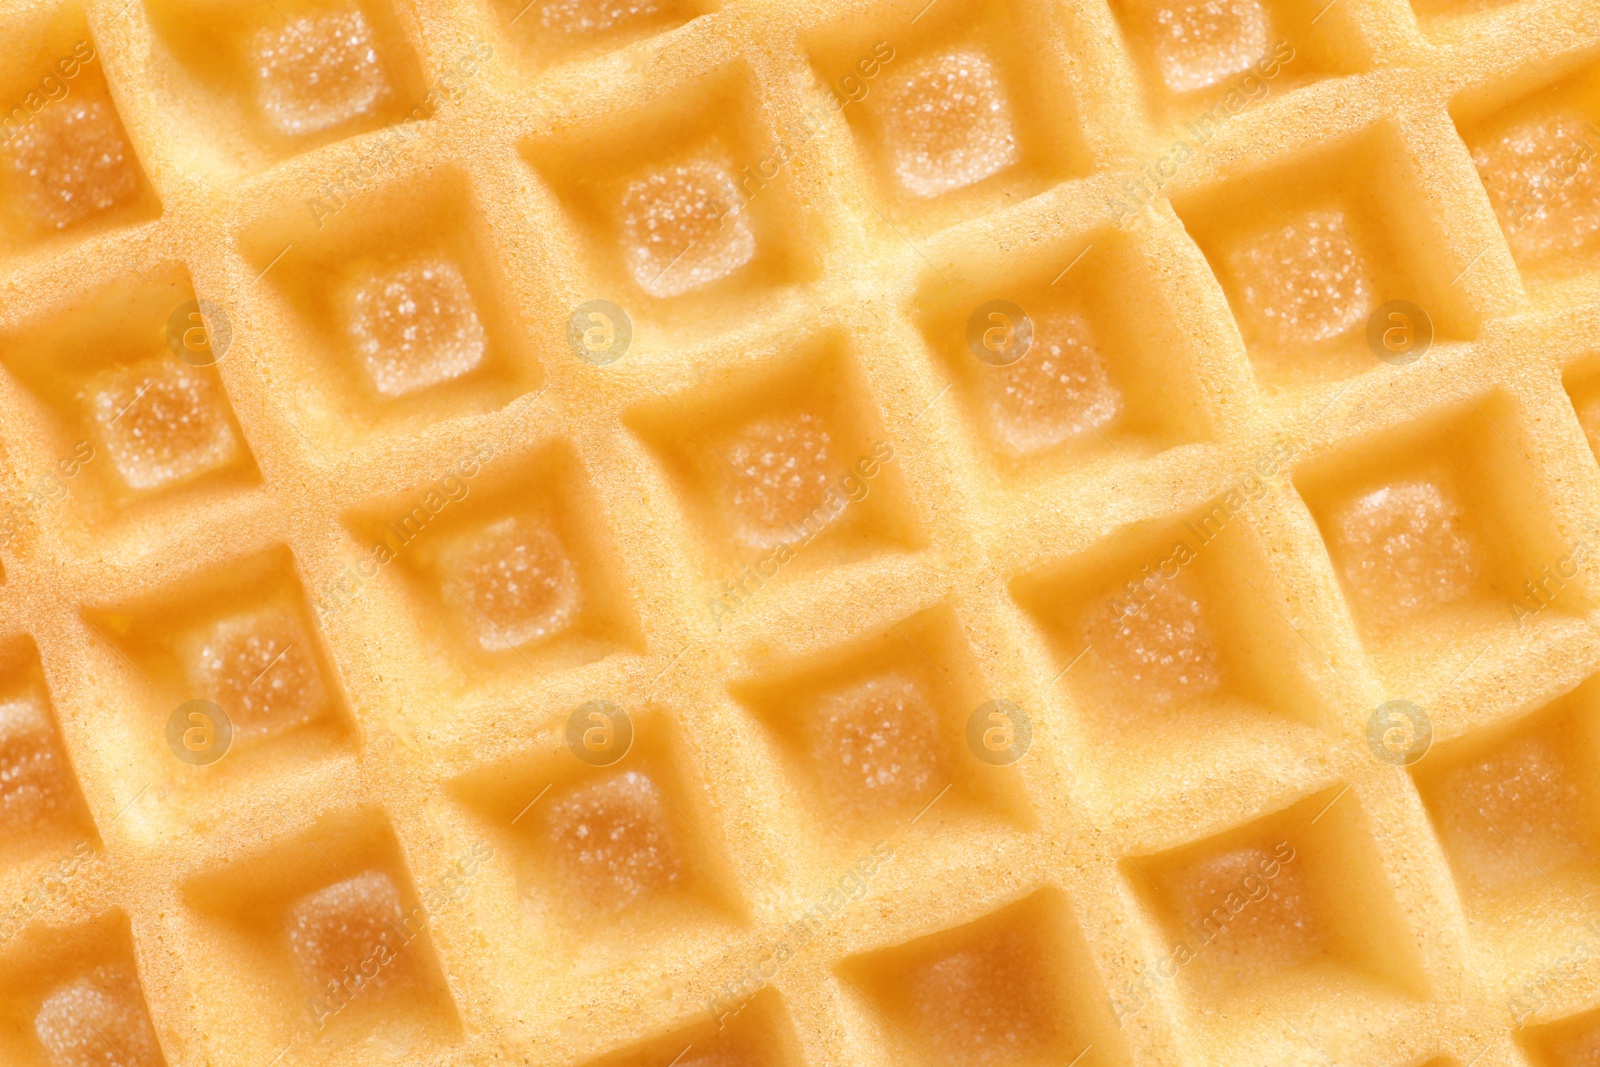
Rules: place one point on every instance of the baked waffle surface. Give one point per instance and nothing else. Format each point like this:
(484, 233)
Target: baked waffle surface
(645, 532)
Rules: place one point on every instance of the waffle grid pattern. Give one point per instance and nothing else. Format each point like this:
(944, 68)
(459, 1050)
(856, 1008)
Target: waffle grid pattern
(978, 533)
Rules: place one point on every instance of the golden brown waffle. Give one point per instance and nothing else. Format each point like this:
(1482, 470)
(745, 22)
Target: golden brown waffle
(691, 639)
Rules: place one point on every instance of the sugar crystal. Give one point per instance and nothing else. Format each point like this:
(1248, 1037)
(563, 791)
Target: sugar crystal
(1057, 391)
(684, 227)
(161, 421)
(98, 1019)
(612, 842)
(945, 122)
(1302, 282)
(516, 579)
(414, 325)
(876, 744)
(318, 71)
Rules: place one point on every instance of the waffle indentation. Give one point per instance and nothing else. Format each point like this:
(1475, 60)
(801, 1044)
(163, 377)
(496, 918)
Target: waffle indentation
(1011, 988)
(1161, 650)
(1295, 901)
(1279, 929)
(321, 936)
(613, 843)
(245, 86)
(1307, 251)
(986, 1002)
(1403, 549)
(1173, 651)
(351, 927)
(1586, 402)
(1199, 43)
(237, 636)
(318, 71)
(74, 164)
(512, 579)
(69, 169)
(686, 210)
(876, 743)
(261, 667)
(945, 122)
(414, 325)
(1051, 372)
(1440, 537)
(772, 466)
(616, 862)
(781, 468)
(1511, 814)
(130, 427)
(1538, 165)
(391, 302)
(505, 565)
(36, 785)
(1513, 809)
(1058, 391)
(683, 227)
(40, 802)
(874, 735)
(98, 1018)
(161, 421)
(1303, 282)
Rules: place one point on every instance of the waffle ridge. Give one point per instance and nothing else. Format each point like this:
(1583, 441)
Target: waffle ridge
(960, 570)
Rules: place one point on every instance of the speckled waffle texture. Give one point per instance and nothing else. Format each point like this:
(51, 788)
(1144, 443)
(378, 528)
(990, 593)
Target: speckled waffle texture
(316, 407)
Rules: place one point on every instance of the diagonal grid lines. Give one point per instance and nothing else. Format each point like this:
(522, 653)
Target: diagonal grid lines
(395, 722)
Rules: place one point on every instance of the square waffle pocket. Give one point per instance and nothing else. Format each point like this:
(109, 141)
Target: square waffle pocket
(523, 539)
(68, 168)
(129, 423)
(506, 566)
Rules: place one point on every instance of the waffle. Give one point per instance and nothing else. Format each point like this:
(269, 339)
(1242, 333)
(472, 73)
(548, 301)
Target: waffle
(663, 532)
